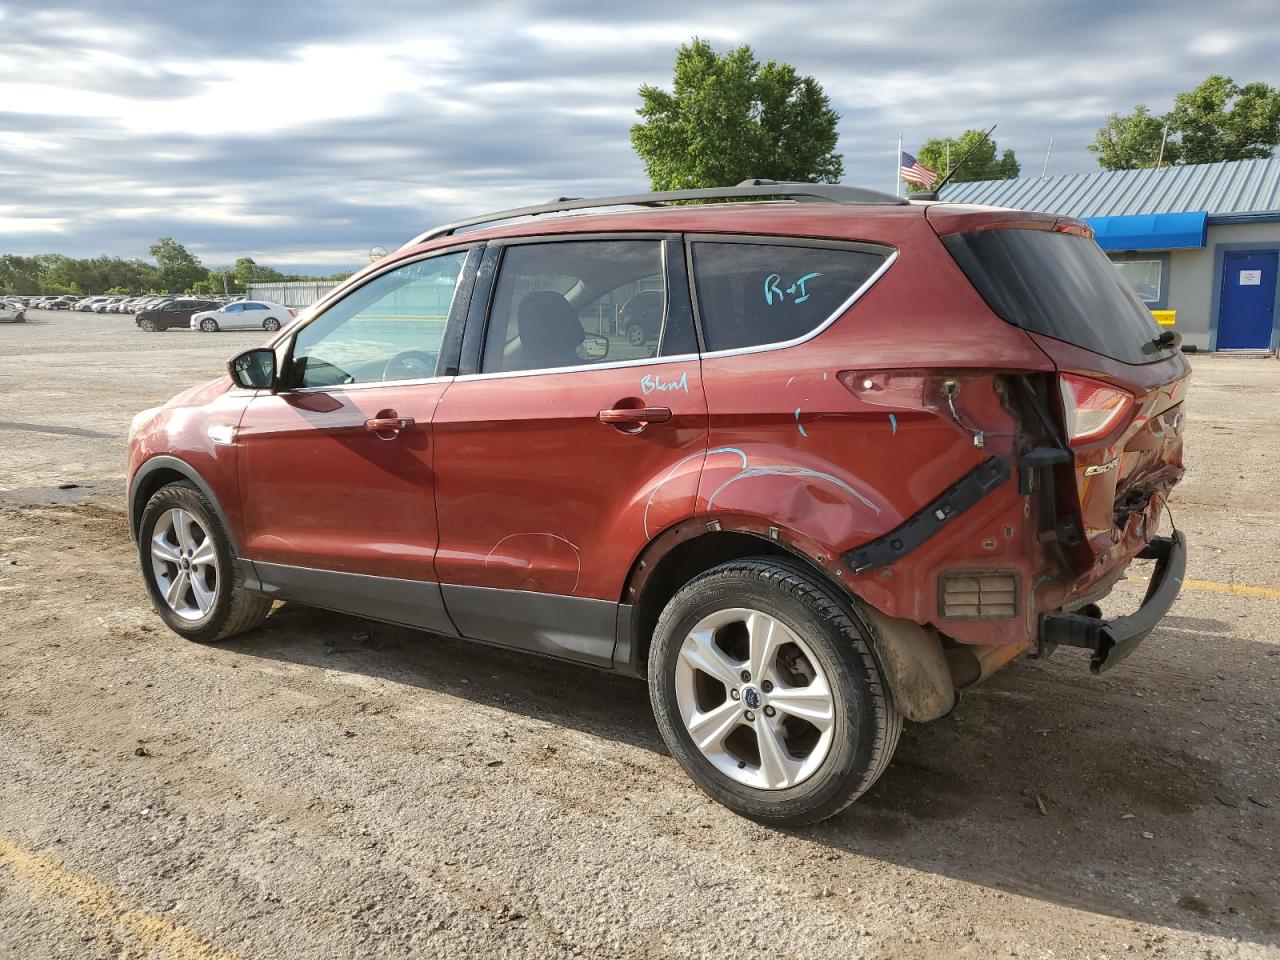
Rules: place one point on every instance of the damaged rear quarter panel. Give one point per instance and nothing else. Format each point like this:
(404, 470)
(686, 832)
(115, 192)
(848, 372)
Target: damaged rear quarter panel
(830, 466)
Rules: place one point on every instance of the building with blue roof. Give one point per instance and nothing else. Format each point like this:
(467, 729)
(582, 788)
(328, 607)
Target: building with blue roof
(1199, 243)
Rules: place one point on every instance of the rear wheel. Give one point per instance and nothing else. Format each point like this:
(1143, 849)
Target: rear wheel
(189, 568)
(209, 325)
(636, 335)
(271, 324)
(766, 691)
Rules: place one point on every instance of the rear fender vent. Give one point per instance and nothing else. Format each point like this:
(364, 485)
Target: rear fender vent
(978, 595)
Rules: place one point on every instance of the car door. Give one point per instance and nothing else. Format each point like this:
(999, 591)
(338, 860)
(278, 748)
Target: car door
(563, 448)
(337, 469)
(248, 316)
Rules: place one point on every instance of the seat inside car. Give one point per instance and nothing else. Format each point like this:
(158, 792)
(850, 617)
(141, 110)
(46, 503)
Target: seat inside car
(550, 332)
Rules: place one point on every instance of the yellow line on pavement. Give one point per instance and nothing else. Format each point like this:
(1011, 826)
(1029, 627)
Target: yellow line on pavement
(101, 909)
(1239, 589)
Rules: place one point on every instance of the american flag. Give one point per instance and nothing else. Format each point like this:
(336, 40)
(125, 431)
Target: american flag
(913, 171)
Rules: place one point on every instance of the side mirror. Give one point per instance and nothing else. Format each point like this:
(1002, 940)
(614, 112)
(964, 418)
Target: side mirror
(594, 347)
(254, 369)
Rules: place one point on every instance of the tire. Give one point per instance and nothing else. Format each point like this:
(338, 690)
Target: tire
(209, 325)
(148, 325)
(228, 608)
(271, 324)
(636, 335)
(859, 726)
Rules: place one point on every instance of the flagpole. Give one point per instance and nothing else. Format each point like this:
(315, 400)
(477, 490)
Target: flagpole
(1047, 153)
(897, 172)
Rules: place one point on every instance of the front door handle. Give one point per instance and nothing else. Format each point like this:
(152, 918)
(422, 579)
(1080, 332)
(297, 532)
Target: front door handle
(388, 427)
(635, 416)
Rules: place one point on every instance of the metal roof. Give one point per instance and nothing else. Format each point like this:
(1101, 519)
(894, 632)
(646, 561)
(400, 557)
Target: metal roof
(1230, 188)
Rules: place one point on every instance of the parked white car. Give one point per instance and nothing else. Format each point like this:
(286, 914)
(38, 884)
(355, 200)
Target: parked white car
(243, 315)
(12, 311)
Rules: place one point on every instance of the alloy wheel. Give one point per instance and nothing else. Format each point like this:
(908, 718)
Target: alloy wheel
(754, 699)
(185, 564)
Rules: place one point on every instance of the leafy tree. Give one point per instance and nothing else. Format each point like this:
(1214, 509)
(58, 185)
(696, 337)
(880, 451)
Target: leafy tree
(1133, 141)
(248, 271)
(179, 268)
(982, 165)
(1218, 120)
(728, 119)
(20, 275)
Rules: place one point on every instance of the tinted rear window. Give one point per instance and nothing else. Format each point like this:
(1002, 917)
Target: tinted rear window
(1061, 285)
(756, 293)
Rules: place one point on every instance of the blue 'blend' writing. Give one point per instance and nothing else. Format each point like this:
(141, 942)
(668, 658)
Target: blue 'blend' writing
(654, 384)
(773, 291)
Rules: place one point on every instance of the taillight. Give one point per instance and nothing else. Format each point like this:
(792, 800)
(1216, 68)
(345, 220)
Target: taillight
(1093, 409)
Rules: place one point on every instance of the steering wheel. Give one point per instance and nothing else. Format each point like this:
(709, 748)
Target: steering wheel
(410, 365)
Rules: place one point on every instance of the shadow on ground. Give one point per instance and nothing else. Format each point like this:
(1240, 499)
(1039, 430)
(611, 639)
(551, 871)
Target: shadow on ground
(1047, 782)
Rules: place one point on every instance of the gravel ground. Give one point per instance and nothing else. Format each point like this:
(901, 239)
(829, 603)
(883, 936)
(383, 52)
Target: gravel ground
(327, 787)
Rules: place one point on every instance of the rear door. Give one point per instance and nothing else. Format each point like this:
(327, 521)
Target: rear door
(337, 470)
(564, 446)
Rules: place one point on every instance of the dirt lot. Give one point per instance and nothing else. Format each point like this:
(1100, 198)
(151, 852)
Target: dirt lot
(325, 787)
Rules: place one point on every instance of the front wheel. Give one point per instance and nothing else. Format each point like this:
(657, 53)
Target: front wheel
(209, 325)
(636, 335)
(189, 568)
(271, 324)
(148, 325)
(766, 691)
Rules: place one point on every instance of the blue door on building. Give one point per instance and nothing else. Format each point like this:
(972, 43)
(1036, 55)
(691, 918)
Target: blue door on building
(1247, 310)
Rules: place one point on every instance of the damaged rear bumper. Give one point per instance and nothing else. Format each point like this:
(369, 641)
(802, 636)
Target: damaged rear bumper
(1113, 640)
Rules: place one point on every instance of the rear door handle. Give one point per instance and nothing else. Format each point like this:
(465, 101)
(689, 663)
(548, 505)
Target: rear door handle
(633, 416)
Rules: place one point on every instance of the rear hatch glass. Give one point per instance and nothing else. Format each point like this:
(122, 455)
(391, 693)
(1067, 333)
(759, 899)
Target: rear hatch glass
(1061, 285)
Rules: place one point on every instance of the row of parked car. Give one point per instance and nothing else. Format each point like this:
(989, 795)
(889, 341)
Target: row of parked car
(156, 313)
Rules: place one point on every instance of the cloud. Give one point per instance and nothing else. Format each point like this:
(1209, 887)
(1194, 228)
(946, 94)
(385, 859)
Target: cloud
(289, 130)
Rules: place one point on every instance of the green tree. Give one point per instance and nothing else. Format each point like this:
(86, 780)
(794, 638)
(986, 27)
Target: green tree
(1132, 141)
(983, 164)
(1218, 120)
(248, 271)
(728, 119)
(179, 268)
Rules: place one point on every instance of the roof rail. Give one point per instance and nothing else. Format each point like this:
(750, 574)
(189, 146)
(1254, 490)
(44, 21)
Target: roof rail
(746, 190)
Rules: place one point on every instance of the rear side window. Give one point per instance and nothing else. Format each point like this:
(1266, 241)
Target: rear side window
(755, 293)
(1061, 285)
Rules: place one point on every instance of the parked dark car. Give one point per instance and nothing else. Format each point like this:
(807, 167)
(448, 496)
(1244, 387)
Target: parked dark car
(858, 474)
(175, 313)
(641, 316)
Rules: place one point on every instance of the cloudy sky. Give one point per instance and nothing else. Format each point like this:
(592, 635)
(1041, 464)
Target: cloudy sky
(302, 132)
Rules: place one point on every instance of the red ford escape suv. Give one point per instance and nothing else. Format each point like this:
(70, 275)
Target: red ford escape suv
(875, 450)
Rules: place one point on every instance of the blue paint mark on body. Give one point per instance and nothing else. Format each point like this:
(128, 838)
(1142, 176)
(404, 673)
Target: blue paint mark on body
(893, 422)
(651, 383)
(799, 425)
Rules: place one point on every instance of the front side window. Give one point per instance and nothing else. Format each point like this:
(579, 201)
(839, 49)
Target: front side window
(755, 293)
(1143, 276)
(387, 329)
(568, 303)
